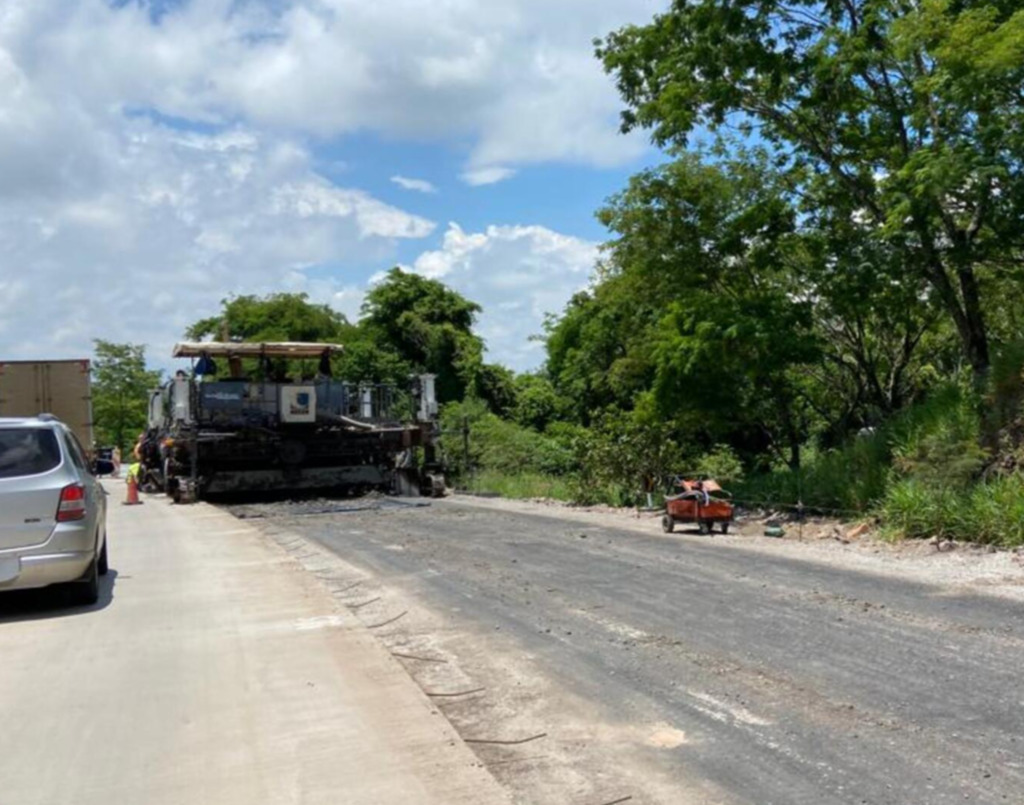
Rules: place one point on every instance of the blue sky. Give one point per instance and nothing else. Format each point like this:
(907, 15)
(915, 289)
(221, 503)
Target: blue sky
(160, 156)
(559, 196)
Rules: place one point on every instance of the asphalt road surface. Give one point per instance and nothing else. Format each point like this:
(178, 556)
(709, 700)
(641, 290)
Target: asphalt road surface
(765, 679)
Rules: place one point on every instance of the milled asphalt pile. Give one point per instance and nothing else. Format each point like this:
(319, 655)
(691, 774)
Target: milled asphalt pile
(306, 507)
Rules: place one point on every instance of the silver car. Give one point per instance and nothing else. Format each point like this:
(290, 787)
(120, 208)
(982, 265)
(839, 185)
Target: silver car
(53, 510)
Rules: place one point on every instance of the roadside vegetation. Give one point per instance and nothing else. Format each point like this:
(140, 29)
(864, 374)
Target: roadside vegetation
(817, 298)
(120, 393)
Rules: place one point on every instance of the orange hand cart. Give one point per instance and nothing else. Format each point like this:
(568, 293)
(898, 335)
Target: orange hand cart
(701, 501)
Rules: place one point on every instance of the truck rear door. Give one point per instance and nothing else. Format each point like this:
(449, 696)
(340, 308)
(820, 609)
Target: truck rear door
(61, 388)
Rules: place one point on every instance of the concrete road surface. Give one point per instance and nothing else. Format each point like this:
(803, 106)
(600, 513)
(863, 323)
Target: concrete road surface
(214, 670)
(680, 669)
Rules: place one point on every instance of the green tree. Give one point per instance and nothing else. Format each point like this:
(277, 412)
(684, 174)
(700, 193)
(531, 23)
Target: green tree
(429, 326)
(599, 349)
(292, 317)
(277, 317)
(120, 392)
(537, 404)
(907, 116)
(701, 300)
(366, 360)
(496, 386)
(633, 451)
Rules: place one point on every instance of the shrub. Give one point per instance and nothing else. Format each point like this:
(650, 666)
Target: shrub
(498, 445)
(991, 513)
(722, 464)
(939, 443)
(935, 441)
(847, 480)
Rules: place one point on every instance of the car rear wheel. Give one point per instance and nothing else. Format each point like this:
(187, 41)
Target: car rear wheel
(704, 526)
(668, 523)
(87, 591)
(102, 565)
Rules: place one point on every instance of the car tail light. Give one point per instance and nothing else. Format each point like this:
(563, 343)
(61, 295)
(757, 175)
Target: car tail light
(72, 503)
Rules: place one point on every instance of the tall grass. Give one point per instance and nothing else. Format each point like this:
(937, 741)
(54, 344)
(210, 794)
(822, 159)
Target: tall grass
(520, 485)
(856, 477)
(990, 513)
(850, 480)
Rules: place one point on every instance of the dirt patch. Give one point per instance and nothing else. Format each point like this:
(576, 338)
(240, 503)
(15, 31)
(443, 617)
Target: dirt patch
(666, 737)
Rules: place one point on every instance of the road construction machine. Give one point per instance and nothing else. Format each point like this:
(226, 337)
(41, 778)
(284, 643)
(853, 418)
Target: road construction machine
(254, 417)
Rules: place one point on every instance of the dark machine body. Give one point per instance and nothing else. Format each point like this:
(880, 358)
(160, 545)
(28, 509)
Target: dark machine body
(246, 434)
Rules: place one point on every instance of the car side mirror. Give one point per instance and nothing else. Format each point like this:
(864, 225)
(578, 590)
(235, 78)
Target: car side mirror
(102, 466)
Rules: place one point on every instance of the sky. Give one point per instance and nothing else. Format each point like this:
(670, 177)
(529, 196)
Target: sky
(157, 157)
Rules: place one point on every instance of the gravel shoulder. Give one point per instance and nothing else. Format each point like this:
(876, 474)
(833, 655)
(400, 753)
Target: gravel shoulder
(966, 568)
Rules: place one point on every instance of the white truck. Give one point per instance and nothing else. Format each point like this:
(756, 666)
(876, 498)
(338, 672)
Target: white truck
(61, 388)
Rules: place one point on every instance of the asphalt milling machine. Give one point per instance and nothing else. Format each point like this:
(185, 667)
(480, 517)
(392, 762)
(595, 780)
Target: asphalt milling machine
(270, 418)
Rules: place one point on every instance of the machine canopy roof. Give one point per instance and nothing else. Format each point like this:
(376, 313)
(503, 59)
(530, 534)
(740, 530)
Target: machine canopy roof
(271, 349)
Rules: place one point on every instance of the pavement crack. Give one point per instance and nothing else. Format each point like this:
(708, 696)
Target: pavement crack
(500, 742)
(420, 659)
(389, 620)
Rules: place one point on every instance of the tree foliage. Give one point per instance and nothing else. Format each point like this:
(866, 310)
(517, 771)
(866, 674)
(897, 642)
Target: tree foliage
(277, 317)
(429, 326)
(120, 392)
(906, 118)
(410, 324)
(700, 301)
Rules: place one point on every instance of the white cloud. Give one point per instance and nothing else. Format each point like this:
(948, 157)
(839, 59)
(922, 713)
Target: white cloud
(514, 80)
(419, 185)
(177, 224)
(315, 198)
(517, 274)
(151, 168)
(477, 177)
(348, 300)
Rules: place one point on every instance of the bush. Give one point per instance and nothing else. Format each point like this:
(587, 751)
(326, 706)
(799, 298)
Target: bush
(628, 453)
(497, 445)
(722, 464)
(939, 443)
(847, 480)
(991, 513)
(521, 485)
(935, 441)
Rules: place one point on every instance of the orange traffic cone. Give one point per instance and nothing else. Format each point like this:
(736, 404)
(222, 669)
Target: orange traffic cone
(132, 498)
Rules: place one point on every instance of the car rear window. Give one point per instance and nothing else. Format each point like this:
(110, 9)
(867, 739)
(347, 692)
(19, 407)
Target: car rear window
(27, 451)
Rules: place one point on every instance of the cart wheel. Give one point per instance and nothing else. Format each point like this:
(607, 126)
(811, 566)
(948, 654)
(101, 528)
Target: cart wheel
(668, 523)
(725, 528)
(704, 526)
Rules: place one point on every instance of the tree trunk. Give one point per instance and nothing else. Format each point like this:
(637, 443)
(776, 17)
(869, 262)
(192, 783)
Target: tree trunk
(965, 307)
(968, 316)
(975, 334)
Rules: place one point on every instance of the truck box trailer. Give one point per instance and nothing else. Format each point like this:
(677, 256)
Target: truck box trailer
(61, 388)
